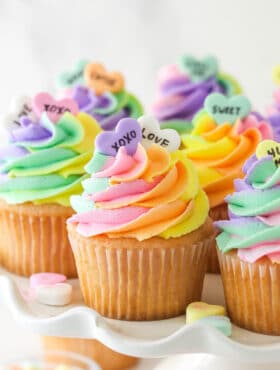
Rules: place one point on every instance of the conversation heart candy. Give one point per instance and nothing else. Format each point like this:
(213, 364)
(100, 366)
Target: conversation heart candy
(221, 323)
(101, 81)
(199, 70)
(198, 310)
(269, 147)
(54, 295)
(46, 278)
(153, 134)
(276, 74)
(227, 109)
(127, 133)
(44, 102)
(20, 106)
(73, 77)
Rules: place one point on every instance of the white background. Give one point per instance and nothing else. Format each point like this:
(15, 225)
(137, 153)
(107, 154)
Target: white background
(40, 38)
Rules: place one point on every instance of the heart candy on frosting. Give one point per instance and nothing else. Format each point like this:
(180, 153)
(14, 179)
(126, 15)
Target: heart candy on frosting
(153, 134)
(269, 147)
(55, 109)
(199, 70)
(101, 81)
(227, 109)
(73, 77)
(127, 133)
(198, 310)
(20, 106)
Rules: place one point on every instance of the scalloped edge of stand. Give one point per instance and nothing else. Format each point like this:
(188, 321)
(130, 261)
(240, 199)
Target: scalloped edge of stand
(147, 339)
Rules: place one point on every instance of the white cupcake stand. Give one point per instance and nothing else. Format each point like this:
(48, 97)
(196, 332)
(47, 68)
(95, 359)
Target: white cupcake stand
(152, 339)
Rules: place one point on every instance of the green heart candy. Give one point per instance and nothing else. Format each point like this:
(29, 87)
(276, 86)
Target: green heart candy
(199, 70)
(74, 77)
(227, 109)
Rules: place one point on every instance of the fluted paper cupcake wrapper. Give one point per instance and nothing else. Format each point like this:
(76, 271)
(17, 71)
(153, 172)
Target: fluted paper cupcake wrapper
(104, 356)
(217, 214)
(34, 239)
(131, 280)
(252, 293)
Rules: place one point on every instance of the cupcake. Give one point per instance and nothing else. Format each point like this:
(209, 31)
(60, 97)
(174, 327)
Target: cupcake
(219, 145)
(41, 166)
(141, 232)
(104, 356)
(248, 246)
(100, 93)
(183, 88)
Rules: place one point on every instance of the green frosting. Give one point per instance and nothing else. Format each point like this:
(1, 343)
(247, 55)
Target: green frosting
(51, 168)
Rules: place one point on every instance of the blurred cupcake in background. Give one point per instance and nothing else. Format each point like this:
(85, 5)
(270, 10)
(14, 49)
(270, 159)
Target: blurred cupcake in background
(273, 111)
(100, 93)
(249, 244)
(183, 87)
(224, 135)
(47, 144)
(106, 358)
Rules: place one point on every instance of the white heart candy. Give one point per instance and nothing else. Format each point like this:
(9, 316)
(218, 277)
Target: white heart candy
(19, 106)
(152, 134)
(54, 295)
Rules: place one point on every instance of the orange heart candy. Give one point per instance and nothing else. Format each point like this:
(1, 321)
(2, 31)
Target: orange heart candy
(102, 81)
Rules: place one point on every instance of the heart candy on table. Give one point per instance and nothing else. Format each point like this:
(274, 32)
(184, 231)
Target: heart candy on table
(221, 323)
(46, 278)
(153, 134)
(54, 295)
(199, 310)
(101, 81)
(269, 147)
(55, 109)
(227, 109)
(73, 77)
(127, 133)
(199, 70)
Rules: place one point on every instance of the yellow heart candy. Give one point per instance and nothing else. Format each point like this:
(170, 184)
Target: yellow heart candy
(198, 310)
(269, 147)
(276, 74)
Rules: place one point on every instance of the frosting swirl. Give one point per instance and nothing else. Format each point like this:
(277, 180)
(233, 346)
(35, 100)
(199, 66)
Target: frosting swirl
(219, 152)
(149, 193)
(44, 161)
(107, 108)
(254, 210)
(179, 99)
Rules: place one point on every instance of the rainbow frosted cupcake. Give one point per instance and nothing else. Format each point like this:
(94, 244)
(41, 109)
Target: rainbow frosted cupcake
(248, 246)
(183, 88)
(219, 145)
(100, 93)
(41, 166)
(141, 233)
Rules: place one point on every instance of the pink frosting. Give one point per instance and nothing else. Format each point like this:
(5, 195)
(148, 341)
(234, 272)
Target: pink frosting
(258, 251)
(251, 121)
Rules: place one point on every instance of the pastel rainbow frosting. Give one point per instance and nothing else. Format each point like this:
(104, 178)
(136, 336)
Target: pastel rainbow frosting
(219, 151)
(44, 161)
(148, 193)
(107, 108)
(253, 228)
(179, 99)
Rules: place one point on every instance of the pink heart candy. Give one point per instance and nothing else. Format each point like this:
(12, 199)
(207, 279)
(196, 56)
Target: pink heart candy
(46, 278)
(44, 102)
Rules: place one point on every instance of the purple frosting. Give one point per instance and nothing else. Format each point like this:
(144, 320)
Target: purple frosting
(181, 99)
(275, 124)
